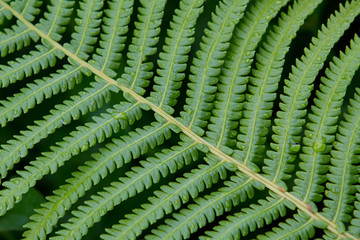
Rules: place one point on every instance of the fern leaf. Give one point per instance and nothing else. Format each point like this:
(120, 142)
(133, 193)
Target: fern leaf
(343, 176)
(310, 179)
(16, 38)
(232, 81)
(298, 228)
(266, 81)
(86, 32)
(168, 199)
(295, 146)
(322, 122)
(35, 93)
(250, 219)
(28, 65)
(120, 152)
(6, 14)
(233, 55)
(27, 9)
(56, 18)
(86, 101)
(79, 141)
(355, 222)
(212, 51)
(108, 55)
(136, 181)
(265, 77)
(177, 46)
(19, 36)
(30, 9)
(211, 54)
(205, 209)
(296, 92)
(137, 72)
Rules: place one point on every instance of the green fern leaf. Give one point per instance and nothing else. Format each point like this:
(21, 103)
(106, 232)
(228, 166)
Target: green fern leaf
(28, 65)
(232, 81)
(308, 184)
(57, 16)
(205, 209)
(17, 148)
(342, 71)
(289, 121)
(36, 92)
(170, 198)
(249, 219)
(212, 51)
(177, 47)
(79, 141)
(298, 228)
(119, 191)
(343, 198)
(87, 176)
(180, 119)
(137, 72)
(263, 83)
(19, 36)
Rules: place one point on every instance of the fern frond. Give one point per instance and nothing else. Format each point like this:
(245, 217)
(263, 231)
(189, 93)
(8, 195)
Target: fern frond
(177, 46)
(232, 81)
(206, 65)
(322, 124)
(206, 209)
(137, 72)
(107, 57)
(281, 170)
(6, 14)
(250, 219)
(114, 156)
(16, 38)
(265, 77)
(137, 180)
(78, 141)
(37, 60)
(308, 184)
(168, 199)
(30, 9)
(36, 92)
(344, 169)
(86, 101)
(225, 118)
(294, 100)
(85, 34)
(19, 36)
(301, 227)
(57, 16)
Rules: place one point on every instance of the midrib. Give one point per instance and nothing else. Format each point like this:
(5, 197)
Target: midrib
(216, 151)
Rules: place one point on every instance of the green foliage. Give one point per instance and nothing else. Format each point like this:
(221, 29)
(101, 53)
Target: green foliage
(184, 119)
